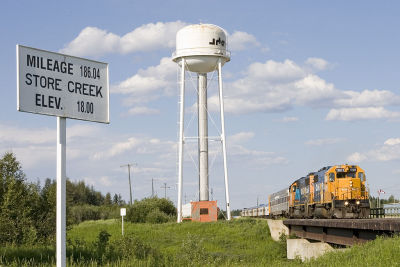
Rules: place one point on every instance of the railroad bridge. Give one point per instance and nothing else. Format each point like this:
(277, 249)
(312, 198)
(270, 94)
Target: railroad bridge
(342, 231)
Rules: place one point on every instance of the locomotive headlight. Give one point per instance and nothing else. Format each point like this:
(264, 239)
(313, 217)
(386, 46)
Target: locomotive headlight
(346, 203)
(358, 202)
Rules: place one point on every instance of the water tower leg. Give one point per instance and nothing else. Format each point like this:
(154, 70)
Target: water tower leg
(203, 136)
(181, 127)
(223, 138)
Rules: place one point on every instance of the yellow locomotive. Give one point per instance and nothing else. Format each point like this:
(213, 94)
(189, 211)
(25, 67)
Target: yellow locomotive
(332, 192)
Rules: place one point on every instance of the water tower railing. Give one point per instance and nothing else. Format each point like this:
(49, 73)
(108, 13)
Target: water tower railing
(206, 51)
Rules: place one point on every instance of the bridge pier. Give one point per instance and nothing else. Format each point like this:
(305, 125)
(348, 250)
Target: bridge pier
(277, 228)
(305, 250)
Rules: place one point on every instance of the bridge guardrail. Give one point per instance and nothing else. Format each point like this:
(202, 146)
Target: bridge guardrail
(377, 213)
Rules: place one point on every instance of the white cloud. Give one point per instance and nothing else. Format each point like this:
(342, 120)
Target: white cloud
(139, 145)
(275, 71)
(142, 111)
(368, 98)
(356, 157)
(314, 90)
(289, 119)
(241, 41)
(317, 63)
(118, 148)
(18, 136)
(275, 86)
(240, 137)
(392, 141)
(279, 86)
(93, 41)
(31, 156)
(389, 151)
(81, 130)
(149, 84)
(256, 158)
(38, 145)
(266, 87)
(350, 114)
(324, 141)
(106, 181)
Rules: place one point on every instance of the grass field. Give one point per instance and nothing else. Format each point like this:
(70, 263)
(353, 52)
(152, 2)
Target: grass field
(236, 243)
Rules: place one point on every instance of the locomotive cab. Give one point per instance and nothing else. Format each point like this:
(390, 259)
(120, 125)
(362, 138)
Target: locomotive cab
(347, 192)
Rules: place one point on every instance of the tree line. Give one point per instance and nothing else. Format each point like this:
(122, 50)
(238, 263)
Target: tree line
(390, 200)
(28, 210)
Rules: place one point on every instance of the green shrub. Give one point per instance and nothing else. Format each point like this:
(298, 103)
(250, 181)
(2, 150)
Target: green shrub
(157, 216)
(154, 210)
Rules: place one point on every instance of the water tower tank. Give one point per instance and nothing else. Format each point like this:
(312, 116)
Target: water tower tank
(201, 45)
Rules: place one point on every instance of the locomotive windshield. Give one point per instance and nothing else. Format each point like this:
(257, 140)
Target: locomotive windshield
(351, 174)
(346, 174)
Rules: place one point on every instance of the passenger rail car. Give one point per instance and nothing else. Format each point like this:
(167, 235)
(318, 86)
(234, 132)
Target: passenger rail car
(279, 203)
(261, 211)
(332, 192)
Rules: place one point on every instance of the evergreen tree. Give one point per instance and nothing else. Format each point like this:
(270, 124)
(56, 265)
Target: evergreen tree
(117, 200)
(107, 200)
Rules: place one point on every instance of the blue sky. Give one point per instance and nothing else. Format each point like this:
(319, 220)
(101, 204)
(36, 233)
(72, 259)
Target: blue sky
(309, 84)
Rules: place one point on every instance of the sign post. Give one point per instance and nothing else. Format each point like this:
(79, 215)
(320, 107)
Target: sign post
(61, 191)
(123, 213)
(64, 86)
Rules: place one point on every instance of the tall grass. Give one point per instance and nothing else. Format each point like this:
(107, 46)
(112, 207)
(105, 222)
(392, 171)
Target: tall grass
(187, 244)
(383, 251)
(234, 243)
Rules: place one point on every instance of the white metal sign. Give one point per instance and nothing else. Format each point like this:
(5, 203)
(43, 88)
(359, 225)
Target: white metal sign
(123, 211)
(60, 85)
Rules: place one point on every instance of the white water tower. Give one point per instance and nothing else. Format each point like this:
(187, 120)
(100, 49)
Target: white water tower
(201, 48)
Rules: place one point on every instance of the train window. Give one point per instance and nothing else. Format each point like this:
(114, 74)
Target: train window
(361, 176)
(294, 188)
(331, 177)
(351, 174)
(316, 179)
(341, 175)
(307, 181)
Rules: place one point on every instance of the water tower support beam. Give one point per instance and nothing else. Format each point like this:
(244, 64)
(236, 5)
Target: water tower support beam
(223, 137)
(203, 136)
(181, 127)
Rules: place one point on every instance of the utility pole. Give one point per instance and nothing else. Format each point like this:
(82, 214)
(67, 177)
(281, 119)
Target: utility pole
(165, 189)
(129, 165)
(152, 187)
